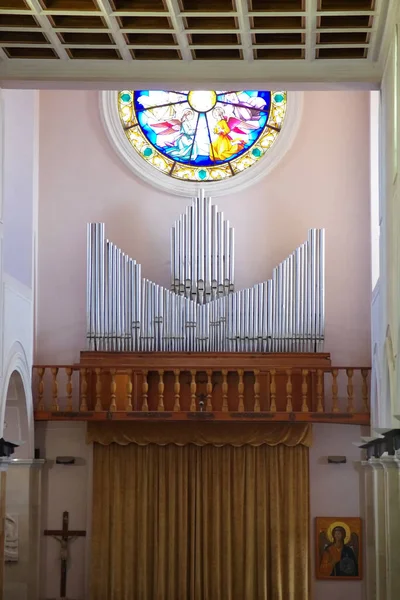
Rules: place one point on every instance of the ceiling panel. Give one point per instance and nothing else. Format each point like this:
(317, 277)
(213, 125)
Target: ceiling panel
(189, 31)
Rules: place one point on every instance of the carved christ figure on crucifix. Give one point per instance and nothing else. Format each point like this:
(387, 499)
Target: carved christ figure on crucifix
(63, 546)
(63, 537)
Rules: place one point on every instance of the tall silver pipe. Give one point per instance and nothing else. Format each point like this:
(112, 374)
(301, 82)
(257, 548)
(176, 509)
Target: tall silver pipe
(101, 250)
(235, 321)
(226, 257)
(220, 246)
(253, 317)
(312, 285)
(297, 301)
(321, 287)
(275, 303)
(231, 274)
(207, 248)
(96, 287)
(268, 323)
(188, 248)
(316, 290)
(200, 244)
(214, 252)
(194, 251)
(89, 283)
(290, 301)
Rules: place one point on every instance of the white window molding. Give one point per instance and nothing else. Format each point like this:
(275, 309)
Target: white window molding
(149, 174)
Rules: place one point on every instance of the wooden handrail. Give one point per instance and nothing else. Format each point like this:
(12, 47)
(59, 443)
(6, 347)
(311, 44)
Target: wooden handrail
(280, 391)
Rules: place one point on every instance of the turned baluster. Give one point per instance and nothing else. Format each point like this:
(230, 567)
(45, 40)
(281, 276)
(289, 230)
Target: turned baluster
(177, 391)
(145, 391)
(209, 406)
(113, 390)
(256, 391)
(225, 407)
(83, 404)
(272, 388)
(68, 388)
(304, 391)
(320, 406)
(98, 407)
(193, 392)
(129, 388)
(160, 406)
(364, 389)
(335, 407)
(241, 391)
(54, 405)
(350, 390)
(289, 390)
(40, 403)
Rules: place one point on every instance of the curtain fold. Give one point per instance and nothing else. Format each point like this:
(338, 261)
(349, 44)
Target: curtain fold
(200, 522)
(199, 434)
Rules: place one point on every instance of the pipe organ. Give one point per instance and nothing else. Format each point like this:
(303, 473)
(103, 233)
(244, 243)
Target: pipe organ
(202, 312)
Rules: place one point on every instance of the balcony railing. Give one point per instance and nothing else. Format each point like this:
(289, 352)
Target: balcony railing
(221, 387)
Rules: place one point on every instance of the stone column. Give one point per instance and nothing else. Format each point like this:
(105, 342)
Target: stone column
(379, 528)
(392, 505)
(4, 462)
(23, 499)
(369, 529)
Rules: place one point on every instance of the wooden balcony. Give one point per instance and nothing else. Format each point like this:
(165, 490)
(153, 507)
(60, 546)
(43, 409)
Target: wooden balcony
(171, 386)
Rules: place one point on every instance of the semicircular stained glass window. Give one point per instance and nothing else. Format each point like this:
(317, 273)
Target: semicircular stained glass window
(201, 135)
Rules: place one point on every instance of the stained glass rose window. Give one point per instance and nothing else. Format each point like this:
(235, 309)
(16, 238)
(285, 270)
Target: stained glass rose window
(201, 135)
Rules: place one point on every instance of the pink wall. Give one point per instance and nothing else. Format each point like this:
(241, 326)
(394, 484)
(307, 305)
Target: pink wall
(323, 181)
(334, 492)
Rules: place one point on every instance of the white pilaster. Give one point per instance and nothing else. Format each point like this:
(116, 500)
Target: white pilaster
(23, 499)
(369, 529)
(378, 481)
(392, 519)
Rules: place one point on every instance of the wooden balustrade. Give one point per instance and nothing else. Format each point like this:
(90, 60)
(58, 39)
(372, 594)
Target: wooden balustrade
(280, 393)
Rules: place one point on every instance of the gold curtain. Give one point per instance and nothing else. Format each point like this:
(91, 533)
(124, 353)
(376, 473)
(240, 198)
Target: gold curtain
(200, 522)
(181, 433)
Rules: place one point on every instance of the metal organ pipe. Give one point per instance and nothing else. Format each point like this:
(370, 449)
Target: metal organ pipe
(202, 312)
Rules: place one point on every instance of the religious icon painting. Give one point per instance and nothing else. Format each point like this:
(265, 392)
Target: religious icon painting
(201, 135)
(338, 548)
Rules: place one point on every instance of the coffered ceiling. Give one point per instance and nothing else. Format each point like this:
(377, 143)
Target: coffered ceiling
(197, 42)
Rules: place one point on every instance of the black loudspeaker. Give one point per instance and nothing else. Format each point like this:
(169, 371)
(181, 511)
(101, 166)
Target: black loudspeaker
(337, 460)
(65, 460)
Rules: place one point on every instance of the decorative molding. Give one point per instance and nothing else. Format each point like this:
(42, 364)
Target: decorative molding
(17, 361)
(387, 444)
(237, 183)
(36, 463)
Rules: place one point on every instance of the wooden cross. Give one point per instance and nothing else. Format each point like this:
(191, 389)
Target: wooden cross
(64, 536)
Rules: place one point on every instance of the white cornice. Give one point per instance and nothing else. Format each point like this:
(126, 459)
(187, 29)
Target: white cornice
(169, 75)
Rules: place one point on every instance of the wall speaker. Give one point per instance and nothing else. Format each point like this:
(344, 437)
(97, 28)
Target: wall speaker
(65, 460)
(337, 460)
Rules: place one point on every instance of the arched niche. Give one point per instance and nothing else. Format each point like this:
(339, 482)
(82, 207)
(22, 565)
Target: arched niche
(16, 423)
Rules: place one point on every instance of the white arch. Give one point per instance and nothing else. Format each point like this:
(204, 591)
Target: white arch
(148, 173)
(17, 362)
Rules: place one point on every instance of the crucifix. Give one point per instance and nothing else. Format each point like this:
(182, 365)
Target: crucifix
(63, 537)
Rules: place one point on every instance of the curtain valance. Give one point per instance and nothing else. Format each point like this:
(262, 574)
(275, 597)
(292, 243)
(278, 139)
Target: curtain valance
(200, 434)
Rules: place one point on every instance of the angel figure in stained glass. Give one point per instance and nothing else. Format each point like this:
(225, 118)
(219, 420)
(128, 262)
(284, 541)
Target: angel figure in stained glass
(244, 107)
(185, 147)
(224, 146)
